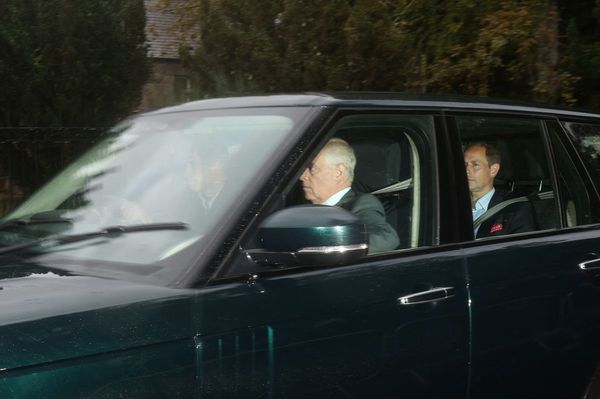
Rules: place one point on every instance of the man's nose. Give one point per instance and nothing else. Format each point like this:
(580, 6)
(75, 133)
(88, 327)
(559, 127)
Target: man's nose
(304, 175)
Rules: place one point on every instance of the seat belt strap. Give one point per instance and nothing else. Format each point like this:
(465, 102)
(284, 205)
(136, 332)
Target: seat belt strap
(498, 207)
(495, 209)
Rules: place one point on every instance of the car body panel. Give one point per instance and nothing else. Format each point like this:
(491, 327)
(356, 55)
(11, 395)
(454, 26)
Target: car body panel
(379, 101)
(521, 320)
(533, 305)
(340, 330)
(56, 328)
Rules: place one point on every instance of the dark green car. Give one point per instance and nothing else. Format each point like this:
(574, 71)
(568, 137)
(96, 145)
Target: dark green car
(179, 259)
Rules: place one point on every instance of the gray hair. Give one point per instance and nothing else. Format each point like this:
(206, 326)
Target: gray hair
(337, 151)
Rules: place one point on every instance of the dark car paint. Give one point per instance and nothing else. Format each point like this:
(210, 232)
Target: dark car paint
(533, 305)
(342, 330)
(524, 321)
(115, 336)
(60, 328)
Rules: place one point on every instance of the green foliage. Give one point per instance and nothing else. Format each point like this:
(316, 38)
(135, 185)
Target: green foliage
(513, 48)
(70, 62)
(514, 54)
(581, 23)
(227, 59)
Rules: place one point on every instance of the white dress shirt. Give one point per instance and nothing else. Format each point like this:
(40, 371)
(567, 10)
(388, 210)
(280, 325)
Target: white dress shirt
(335, 198)
(481, 206)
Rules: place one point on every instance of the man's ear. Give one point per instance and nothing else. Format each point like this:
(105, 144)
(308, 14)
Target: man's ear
(340, 172)
(494, 169)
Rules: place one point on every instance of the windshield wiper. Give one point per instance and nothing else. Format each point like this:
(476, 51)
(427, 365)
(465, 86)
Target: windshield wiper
(28, 222)
(111, 231)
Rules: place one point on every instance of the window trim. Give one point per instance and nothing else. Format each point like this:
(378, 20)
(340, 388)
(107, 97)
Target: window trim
(318, 138)
(541, 119)
(580, 163)
(552, 169)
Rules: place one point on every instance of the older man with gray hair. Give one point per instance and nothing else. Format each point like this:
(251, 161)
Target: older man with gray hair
(328, 181)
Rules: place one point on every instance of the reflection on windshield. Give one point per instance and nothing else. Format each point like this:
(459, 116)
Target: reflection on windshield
(183, 167)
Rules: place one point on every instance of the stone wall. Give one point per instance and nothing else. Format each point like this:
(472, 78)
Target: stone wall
(170, 84)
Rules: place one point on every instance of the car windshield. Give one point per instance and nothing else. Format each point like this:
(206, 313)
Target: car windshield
(156, 187)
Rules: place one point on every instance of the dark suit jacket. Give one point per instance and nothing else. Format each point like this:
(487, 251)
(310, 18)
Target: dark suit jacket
(515, 218)
(382, 236)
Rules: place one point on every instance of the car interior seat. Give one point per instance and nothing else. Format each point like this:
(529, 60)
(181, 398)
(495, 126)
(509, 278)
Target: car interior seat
(522, 174)
(383, 168)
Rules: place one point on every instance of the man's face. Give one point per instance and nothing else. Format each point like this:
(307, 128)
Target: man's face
(480, 174)
(206, 178)
(320, 180)
(215, 181)
(195, 174)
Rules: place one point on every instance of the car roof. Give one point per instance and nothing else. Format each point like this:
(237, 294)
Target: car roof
(377, 100)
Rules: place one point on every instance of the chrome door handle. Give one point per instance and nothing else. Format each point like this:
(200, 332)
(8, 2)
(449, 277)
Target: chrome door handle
(593, 264)
(432, 295)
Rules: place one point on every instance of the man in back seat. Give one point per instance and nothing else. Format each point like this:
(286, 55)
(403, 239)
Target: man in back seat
(482, 162)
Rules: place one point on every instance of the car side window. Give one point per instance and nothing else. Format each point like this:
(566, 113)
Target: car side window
(394, 164)
(586, 137)
(575, 200)
(392, 189)
(507, 167)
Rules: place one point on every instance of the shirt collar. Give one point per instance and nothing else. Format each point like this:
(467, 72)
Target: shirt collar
(484, 201)
(335, 198)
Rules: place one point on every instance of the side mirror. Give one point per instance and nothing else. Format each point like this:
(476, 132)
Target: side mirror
(310, 235)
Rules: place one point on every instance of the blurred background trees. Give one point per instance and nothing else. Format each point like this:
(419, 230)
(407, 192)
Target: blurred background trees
(84, 62)
(541, 50)
(70, 68)
(70, 62)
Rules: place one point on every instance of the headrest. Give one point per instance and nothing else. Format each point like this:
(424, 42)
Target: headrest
(379, 163)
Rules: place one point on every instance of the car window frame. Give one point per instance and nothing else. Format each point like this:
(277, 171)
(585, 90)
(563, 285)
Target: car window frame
(293, 172)
(423, 141)
(558, 118)
(451, 188)
(264, 200)
(540, 118)
(585, 174)
(571, 151)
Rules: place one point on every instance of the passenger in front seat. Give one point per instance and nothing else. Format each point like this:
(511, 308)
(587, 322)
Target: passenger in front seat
(327, 181)
(482, 163)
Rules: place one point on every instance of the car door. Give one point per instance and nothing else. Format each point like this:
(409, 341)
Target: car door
(532, 304)
(393, 324)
